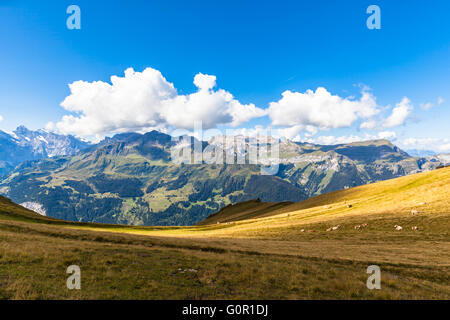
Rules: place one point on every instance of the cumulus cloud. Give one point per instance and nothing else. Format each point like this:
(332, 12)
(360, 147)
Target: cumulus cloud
(321, 109)
(142, 100)
(127, 103)
(204, 81)
(244, 113)
(208, 106)
(399, 114)
(205, 105)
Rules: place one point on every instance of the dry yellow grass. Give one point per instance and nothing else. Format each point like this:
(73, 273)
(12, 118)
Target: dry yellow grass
(265, 257)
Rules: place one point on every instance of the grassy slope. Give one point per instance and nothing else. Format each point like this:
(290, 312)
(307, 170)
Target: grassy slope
(243, 211)
(265, 257)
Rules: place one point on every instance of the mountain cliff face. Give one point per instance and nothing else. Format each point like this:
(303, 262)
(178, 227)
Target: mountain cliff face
(23, 144)
(131, 179)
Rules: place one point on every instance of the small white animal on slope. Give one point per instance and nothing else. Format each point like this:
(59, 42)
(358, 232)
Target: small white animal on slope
(398, 228)
(333, 228)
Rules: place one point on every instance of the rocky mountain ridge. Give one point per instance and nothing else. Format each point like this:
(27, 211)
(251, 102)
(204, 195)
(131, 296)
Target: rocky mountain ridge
(131, 179)
(23, 144)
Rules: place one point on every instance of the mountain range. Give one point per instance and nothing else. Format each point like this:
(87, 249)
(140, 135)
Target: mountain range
(24, 144)
(130, 179)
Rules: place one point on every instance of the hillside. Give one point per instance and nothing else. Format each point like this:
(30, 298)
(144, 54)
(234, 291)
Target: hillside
(11, 210)
(242, 211)
(280, 253)
(427, 193)
(130, 179)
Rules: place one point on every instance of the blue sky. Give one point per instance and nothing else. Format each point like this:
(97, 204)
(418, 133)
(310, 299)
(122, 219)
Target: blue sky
(256, 49)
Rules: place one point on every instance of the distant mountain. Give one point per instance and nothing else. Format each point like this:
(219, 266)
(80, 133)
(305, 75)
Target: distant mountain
(131, 179)
(443, 158)
(23, 144)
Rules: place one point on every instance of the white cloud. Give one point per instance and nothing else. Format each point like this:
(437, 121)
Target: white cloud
(250, 132)
(128, 103)
(389, 135)
(331, 140)
(435, 144)
(205, 105)
(445, 147)
(369, 124)
(208, 106)
(1, 118)
(204, 81)
(399, 114)
(429, 105)
(293, 133)
(142, 100)
(418, 142)
(321, 109)
(244, 113)
(311, 131)
(426, 106)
